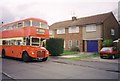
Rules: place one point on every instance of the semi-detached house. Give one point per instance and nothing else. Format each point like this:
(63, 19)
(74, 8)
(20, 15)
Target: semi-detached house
(87, 33)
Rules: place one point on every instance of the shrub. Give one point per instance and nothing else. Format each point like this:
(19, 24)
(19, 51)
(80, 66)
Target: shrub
(75, 49)
(107, 43)
(55, 46)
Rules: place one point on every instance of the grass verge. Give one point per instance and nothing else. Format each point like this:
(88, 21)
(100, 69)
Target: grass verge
(83, 56)
(66, 52)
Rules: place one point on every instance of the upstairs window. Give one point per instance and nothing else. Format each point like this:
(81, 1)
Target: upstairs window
(14, 26)
(61, 31)
(73, 29)
(91, 28)
(112, 32)
(20, 24)
(44, 25)
(36, 23)
(26, 23)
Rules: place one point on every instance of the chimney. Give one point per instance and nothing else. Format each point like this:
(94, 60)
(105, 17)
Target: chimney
(74, 18)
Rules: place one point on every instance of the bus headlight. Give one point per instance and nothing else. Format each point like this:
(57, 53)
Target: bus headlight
(32, 53)
(47, 53)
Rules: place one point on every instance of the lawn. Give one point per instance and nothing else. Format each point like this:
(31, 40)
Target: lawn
(66, 52)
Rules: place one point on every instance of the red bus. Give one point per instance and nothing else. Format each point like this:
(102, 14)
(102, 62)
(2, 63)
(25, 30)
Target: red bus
(24, 39)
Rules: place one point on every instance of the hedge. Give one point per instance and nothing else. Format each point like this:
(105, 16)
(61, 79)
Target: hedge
(107, 42)
(55, 46)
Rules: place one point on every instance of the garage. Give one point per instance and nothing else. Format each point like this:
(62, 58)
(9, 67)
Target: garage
(92, 45)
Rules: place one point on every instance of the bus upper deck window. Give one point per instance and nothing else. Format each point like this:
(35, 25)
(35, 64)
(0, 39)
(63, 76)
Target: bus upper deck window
(20, 24)
(44, 25)
(35, 23)
(27, 23)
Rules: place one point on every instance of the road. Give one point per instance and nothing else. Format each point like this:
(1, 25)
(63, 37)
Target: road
(55, 68)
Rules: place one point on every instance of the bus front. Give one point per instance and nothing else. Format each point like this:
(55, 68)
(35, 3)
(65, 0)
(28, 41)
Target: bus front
(36, 40)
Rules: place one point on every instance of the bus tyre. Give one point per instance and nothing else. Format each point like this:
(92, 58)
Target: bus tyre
(44, 59)
(3, 54)
(25, 57)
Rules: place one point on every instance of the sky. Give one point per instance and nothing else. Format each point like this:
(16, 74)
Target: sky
(54, 10)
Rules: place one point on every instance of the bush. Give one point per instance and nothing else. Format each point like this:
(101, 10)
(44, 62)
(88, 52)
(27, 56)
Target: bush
(107, 43)
(75, 49)
(55, 46)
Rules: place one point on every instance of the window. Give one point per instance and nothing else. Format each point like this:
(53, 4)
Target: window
(27, 23)
(14, 26)
(35, 41)
(73, 30)
(69, 43)
(76, 43)
(4, 42)
(10, 27)
(61, 31)
(12, 42)
(20, 24)
(112, 32)
(36, 23)
(90, 28)
(44, 25)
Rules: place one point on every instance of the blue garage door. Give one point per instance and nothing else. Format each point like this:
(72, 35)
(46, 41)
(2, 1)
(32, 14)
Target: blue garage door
(92, 46)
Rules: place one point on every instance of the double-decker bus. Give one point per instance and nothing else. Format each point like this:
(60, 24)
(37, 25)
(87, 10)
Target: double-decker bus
(24, 39)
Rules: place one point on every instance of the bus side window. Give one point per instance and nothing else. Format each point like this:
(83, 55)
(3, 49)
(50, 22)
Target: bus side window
(27, 41)
(3, 42)
(19, 42)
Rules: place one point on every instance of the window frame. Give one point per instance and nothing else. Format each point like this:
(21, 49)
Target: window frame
(74, 29)
(91, 28)
(60, 31)
(70, 43)
(77, 43)
(112, 32)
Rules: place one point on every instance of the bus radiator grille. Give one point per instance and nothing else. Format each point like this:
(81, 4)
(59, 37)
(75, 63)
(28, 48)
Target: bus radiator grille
(41, 54)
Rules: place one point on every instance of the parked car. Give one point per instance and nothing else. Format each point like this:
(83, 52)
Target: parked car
(109, 52)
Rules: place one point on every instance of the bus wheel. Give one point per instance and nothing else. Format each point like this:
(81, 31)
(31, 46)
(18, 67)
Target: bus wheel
(25, 57)
(3, 53)
(44, 59)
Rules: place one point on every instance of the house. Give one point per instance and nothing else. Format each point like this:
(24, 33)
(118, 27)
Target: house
(87, 33)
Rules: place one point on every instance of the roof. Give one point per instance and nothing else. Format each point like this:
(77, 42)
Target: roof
(81, 21)
(41, 20)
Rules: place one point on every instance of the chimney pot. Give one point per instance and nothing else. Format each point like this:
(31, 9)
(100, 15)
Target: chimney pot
(74, 18)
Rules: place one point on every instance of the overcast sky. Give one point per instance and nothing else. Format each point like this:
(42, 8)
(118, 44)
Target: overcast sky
(53, 10)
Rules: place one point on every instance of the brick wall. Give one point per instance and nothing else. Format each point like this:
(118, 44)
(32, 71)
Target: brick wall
(71, 36)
